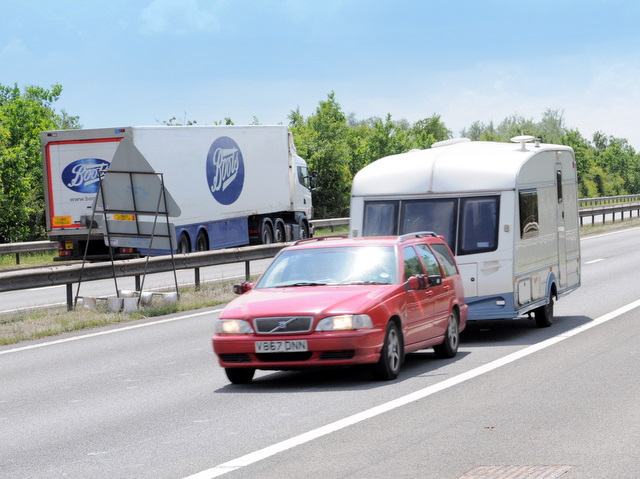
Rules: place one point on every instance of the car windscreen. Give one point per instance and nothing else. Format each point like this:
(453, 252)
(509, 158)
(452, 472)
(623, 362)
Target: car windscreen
(333, 265)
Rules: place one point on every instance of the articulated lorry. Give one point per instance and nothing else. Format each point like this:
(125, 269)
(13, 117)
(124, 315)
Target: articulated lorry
(233, 185)
(509, 212)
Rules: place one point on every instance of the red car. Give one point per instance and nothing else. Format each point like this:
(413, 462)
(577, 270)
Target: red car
(338, 301)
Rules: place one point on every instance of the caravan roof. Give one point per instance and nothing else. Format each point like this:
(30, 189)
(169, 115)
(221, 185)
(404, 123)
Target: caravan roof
(454, 166)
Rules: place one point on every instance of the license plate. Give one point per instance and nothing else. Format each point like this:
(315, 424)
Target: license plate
(288, 346)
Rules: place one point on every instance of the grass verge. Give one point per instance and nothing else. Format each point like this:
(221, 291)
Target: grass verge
(41, 323)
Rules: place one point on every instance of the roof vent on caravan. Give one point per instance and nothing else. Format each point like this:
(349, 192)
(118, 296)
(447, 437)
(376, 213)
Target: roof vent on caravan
(449, 142)
(524, 139)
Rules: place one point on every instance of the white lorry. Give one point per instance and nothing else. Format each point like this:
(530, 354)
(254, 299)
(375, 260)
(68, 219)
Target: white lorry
(509, 213)
(233, 185)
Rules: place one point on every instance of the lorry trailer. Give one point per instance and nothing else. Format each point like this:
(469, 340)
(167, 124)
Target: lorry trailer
(233, 185)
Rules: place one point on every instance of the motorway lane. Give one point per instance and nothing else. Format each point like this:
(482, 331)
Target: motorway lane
(150, 402)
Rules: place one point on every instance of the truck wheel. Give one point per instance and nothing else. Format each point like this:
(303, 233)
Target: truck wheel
(266, 235)
(280, 236)
(449, 346)
(544, 314)
(240, 375)
(183, 244)
(202, 242)
(304, 229)
(388, 366)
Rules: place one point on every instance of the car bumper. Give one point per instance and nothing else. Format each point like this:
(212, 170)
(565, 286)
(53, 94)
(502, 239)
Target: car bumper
(323, 349)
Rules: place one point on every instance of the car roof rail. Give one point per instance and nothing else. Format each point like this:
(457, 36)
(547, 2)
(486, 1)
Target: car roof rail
(319, 238)
(417, 234)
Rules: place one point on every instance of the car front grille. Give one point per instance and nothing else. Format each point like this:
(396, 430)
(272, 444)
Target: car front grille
(283, 324)
(235, 358)
(336, 355)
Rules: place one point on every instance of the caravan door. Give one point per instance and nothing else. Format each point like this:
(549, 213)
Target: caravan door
(562, 247)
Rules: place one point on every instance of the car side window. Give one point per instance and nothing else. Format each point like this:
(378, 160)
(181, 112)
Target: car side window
(412, 264)
(446, 260)
(429, 260)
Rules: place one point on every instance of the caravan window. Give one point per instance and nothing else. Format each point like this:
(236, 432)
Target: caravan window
(529, 222)
(437, 215)
(380, 218)
(469, 225)
(478, 225)
(559, 184)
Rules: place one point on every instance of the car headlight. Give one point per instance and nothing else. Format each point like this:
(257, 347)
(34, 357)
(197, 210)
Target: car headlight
(233, 326)
(344, 322)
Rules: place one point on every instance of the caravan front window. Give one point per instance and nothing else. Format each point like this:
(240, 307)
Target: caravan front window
(437, 215)
(380, 218)
(469, 224)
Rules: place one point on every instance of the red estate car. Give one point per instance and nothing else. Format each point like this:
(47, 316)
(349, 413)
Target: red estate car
(338, 301)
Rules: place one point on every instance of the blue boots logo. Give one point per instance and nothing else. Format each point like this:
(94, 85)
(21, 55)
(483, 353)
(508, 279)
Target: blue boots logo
(225, 170)
(83, 176)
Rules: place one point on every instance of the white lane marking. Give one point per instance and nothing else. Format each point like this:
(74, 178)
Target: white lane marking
(303, 438)
(595, 261)
(110, 331)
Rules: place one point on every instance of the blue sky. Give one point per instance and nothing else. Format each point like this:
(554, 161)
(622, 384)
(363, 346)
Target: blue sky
(139, 62)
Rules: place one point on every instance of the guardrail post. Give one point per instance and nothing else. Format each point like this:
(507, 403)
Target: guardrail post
(137, 279)
(196, 272)
(69, 297)
(247, 271)
(17, 258)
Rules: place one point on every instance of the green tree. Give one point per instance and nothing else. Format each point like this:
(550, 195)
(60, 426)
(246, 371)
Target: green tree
(23, 116)
(374, 138)
(322, 140)
(551, 128)
(428, 131)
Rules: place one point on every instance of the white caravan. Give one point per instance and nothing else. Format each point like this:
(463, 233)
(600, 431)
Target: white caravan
(508, 211)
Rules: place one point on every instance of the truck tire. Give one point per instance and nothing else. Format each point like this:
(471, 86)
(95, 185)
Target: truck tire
(202, 241)
(280, 235)
(304, 229)
(184, 246)
(266, 234)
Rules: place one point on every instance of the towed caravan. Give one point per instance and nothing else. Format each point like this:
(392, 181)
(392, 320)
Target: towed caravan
(509, 212)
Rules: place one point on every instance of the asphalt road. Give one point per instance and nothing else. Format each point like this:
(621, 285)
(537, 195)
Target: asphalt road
(147, 400)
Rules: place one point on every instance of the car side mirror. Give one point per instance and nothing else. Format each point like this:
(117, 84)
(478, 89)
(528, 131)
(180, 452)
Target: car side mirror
(419, 281)
(242, 288)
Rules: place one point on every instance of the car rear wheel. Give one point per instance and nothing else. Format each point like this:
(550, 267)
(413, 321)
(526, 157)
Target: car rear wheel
(449, 347)
(240, 375)
(388, 366)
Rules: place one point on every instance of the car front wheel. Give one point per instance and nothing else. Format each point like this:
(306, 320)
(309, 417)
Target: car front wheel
(449, 347)
(240, 375)
(388, 366)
